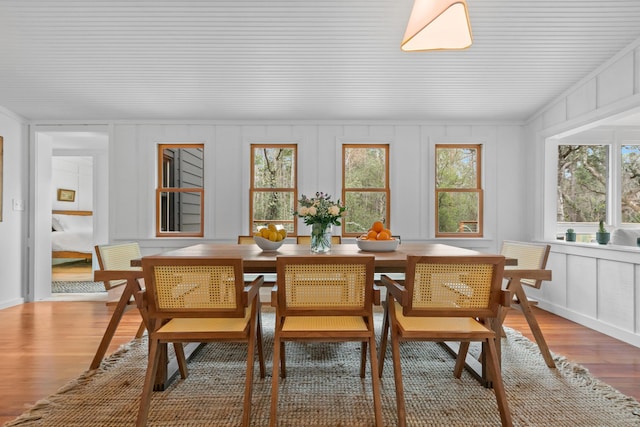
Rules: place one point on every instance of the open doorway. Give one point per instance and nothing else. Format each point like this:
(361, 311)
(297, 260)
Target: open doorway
(70, 199)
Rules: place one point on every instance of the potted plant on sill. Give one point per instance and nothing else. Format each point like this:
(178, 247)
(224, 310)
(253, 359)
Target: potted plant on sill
(602, 235)
(570, 235)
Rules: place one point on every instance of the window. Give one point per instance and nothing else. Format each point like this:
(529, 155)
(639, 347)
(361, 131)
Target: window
(180, 193)
(459, 195)
(274, 188)
(365, 187)
(597, 182)
(583, 180)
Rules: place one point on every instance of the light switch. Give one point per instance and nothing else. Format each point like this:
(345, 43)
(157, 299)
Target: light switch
(18, 205)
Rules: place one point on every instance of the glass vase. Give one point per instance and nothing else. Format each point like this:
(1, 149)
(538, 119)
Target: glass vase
(320, 238)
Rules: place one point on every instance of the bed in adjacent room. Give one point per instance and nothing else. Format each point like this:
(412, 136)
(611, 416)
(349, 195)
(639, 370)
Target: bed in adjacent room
(72, 234)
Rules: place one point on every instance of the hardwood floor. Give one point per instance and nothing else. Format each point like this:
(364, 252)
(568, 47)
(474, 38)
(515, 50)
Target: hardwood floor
(47, 344)
(78, 271)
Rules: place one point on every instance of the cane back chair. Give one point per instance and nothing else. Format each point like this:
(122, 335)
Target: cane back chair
(327, 299)
(530, 271)
(445, 298)
(200, 299)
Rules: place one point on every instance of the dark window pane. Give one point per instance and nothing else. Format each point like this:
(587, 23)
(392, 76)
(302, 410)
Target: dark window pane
(180, 212)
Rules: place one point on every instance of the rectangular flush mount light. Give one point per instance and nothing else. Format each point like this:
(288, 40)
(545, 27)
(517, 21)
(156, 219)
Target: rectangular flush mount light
(438, 25)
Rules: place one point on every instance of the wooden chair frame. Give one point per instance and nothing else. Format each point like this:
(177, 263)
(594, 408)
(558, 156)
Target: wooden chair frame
(167, 311)
(115, 272)
(530, 271)
(310, 311)
(466, 323)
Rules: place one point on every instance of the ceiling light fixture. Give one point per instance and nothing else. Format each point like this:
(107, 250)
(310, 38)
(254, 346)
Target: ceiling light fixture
(438, 25)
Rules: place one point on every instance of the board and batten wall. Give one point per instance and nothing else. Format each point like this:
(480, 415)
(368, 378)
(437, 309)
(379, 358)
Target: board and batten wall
(133, 174)
(597, 286)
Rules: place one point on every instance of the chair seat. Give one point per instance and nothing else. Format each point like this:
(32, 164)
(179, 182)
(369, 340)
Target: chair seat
(445, 325)
(206, 324)
(324, 323)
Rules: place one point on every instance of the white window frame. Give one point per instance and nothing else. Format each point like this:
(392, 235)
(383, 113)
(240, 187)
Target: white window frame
(615, 141)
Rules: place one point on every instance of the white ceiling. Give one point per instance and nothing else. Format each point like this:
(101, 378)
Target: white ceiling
(295, 59)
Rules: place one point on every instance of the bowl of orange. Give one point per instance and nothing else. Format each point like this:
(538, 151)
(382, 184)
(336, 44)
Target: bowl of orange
(377, 239)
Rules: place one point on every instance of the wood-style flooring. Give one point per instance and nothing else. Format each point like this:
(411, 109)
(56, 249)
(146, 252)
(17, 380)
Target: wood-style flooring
(46, 344)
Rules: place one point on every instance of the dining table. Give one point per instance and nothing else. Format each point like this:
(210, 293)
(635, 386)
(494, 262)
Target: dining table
(257, 261)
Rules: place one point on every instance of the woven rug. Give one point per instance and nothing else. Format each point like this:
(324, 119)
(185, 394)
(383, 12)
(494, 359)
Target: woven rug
(76, 287)
(323, 388)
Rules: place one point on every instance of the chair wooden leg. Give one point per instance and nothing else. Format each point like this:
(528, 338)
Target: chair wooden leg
(283, 367)
(498, 386)
(259, 343)
(525, 307)
(397, 376)
(149, 380)
(112, 326)
(181, 359)
(461, 359)
(277, 345)
(363, 359)
(375, 380)
(141, 329)
(383, 338)
(248, 381)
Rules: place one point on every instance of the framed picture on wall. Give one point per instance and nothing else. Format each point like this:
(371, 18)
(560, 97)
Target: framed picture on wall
(66, 195)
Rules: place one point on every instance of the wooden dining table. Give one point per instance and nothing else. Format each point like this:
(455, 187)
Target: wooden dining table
(257, 261)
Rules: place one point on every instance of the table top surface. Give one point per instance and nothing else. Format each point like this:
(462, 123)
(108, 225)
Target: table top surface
(257, 260)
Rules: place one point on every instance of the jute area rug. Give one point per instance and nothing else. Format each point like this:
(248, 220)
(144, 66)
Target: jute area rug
(323, 388)
(82, 287)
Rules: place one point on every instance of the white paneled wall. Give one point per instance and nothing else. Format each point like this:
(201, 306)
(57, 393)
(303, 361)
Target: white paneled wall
(134, 161)
(597, 286)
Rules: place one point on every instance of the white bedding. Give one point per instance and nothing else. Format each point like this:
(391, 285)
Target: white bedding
(74, 241)
(73, 233)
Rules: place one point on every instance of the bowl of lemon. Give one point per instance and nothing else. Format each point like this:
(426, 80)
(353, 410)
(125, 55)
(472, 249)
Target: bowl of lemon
(270, 238)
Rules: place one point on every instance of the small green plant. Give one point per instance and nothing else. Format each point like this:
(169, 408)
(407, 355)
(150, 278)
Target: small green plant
(601, 228)
(570, 230)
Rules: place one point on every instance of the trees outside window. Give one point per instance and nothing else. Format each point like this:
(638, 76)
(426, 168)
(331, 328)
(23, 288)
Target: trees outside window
(274, 189)
(583, 181)
(597, 182)
(459, 197)
(365, 187)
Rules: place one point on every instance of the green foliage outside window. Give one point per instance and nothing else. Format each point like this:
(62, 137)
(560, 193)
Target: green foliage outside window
(365, 187)
(583, 174)
(458, 190)
(273, 185)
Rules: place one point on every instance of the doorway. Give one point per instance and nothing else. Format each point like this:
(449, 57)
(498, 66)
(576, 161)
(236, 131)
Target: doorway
(50, 144)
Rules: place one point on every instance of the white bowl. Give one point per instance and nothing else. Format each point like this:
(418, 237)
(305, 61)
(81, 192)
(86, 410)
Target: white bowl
(377, 245)
(266, 244)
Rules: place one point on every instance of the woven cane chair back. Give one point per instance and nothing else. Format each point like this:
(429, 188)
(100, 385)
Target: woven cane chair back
(194, 287)
(530, 256)
(453, 286)
(117, 257)
(330, 283)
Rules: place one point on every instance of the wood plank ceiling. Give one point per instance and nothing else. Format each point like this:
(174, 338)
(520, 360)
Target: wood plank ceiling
(295, 59)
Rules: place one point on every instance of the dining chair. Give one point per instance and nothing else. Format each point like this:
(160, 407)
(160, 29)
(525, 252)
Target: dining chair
(532, 261)
(117, 275)
(246, 240)
(200, 299)
(306, 240)
(325, 299)
(445, 298)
